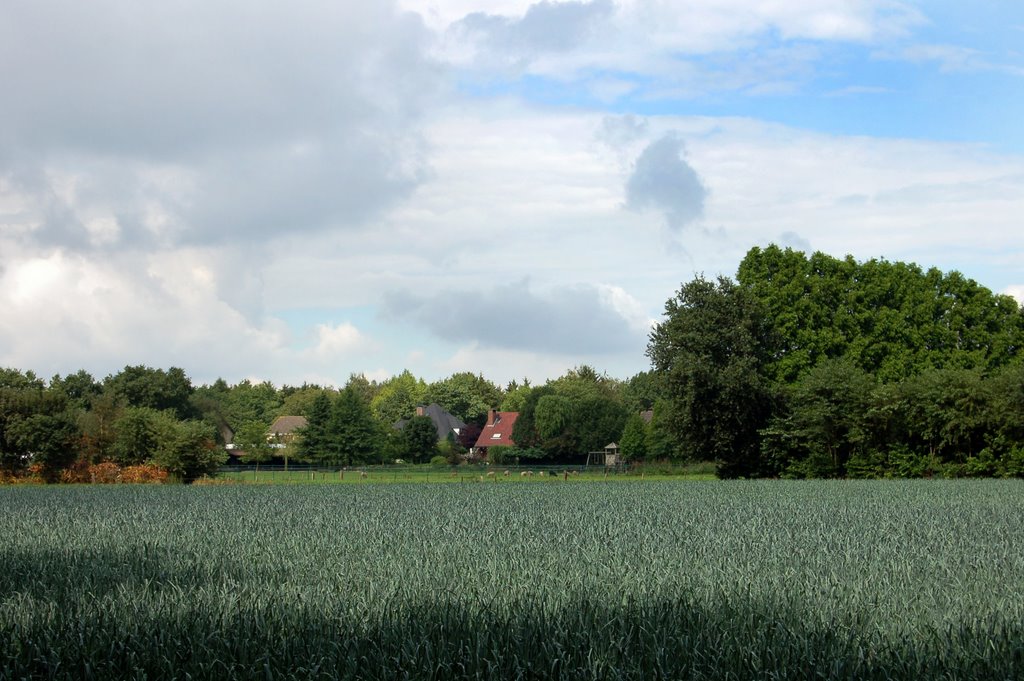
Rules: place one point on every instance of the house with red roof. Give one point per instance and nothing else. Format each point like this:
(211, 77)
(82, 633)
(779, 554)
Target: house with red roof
(497, 432)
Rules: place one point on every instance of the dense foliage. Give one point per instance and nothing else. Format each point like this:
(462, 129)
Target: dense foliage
(139, 416)
(712, 350)
(818, 367)
(788, 580)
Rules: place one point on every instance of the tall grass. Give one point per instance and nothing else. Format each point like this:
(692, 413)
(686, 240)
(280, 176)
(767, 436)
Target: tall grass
(794, 580)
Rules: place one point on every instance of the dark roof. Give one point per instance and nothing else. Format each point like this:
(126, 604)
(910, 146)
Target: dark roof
(443, 421)
(286, 425)
(498, 433)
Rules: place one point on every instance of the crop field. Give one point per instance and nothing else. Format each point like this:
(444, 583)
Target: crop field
(647, 580)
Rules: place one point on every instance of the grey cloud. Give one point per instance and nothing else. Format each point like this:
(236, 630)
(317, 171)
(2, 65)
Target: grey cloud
(546, 26)
(268, 119)
(662, 180)
(570, 320)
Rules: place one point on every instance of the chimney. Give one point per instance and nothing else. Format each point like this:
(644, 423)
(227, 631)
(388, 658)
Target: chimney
(491, 413)
(421, 410)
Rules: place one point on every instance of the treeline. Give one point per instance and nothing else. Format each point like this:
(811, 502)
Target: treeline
(59, 429)
(821, 367)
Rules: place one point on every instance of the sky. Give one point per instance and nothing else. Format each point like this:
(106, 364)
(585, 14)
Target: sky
(297, 192)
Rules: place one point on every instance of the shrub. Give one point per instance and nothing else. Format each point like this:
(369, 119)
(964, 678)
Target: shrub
(499, 455)
(144, 474)
(76, 473)
(106, 473)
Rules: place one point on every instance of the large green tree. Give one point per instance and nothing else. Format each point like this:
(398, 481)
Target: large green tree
(353, 437)
(21, 396)
(142, 386)
(892, 319)
(252, 438)
(465, 395)
(51, 440)
(188, 449)
(137, 434)
(418, 440)
(314, 437)
(712, 348)
(633, 441)
(945, 413)
(397, 397)
(823, 424)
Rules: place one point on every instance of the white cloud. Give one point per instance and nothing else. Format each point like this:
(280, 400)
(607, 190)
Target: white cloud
(709, 24)
(337, 340)
(656, 38)
(952, 58)
(1016, 292)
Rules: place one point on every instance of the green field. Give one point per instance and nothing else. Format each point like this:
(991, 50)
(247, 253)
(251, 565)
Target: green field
(662, 579)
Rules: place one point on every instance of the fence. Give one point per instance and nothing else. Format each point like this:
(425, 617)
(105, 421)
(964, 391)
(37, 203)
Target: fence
(461, 473)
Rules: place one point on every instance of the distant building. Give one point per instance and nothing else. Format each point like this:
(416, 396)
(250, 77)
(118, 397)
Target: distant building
(283, 430)
(497, 432)
(444, 422)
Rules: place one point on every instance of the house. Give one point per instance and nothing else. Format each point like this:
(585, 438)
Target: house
(281, 433)
(283, 430)
(444, 422)
(497, 432)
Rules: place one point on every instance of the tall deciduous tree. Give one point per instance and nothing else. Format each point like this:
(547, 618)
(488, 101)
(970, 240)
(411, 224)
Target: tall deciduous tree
(633, 442)
(824, 422)
(137, 433)
(21, 396)
(465, 395)
(945, 413)
(187, 449)
(398, 397)
(892, 319)
(142, 386)
(251, 437)
(50, 439)
(712, 348)
(524, 432)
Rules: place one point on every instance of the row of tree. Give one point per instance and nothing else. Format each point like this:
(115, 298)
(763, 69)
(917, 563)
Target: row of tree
(814, 366)
(138, 416)
(143, 415)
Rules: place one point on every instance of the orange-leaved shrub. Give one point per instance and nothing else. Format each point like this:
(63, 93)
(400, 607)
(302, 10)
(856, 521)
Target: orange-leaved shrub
(78, 472)
(106, 473)
(145, 473)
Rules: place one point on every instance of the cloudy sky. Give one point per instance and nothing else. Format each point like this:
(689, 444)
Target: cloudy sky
(300, 191)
